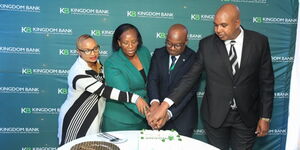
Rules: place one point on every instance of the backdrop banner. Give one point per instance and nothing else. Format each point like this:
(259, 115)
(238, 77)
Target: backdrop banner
(37, 48)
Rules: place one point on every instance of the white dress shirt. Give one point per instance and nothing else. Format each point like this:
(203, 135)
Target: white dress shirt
(238, 46)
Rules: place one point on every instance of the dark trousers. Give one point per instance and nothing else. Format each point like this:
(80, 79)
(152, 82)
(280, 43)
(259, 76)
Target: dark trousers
(233, 133)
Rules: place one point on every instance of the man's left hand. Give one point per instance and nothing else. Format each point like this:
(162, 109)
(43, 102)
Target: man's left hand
(262, 127)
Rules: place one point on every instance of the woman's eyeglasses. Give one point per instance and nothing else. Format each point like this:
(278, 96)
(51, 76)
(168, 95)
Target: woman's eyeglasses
(89, 51)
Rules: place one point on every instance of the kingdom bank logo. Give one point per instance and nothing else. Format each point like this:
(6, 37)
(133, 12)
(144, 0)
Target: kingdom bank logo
(281, 95)
(26, 29)
(195, 17)
(46, 30)
(38, 71)
(194, 36)
(131, 13)
(19, 90)
(84, 11)
(67, 52)
(96, 32)
(274, 20)
(26, 110)
(19, 50)
(202, 17)
(35, 110)
(20, 8)
(282, 59)
(62, 91)
(19, 130)
(150, 14)
(161, 35)
(246, 1)
(64, 10)
(102, 32)
(26, 71)
(257, 20)
(277, 132)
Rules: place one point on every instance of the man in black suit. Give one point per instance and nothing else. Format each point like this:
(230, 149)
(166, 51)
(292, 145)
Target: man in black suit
(238, 100)
(168, 65)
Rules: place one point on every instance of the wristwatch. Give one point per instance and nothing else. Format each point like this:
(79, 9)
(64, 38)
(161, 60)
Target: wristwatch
(266, 119)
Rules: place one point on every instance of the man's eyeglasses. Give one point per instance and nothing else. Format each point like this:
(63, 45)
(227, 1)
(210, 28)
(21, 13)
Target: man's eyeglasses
(176, 46)
(89, 51)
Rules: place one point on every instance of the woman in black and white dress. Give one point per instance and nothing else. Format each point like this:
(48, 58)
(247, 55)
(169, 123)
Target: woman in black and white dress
(81, 113)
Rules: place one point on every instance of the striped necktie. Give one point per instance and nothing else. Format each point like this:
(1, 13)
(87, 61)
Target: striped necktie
(233, 58)
(235, 66)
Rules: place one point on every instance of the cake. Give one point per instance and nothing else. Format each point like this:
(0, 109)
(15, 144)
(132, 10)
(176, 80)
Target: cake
(159, 140)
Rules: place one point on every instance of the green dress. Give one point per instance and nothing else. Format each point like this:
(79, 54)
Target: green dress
(121, 74)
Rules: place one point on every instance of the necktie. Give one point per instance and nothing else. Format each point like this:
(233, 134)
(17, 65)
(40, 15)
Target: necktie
(173, 58)
(233, 58)
(235, 66)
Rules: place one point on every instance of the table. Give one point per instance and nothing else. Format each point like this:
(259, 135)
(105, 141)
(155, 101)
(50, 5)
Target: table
(132, 144)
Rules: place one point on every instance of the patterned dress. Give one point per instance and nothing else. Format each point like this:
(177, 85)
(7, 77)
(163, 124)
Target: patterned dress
(81, 113)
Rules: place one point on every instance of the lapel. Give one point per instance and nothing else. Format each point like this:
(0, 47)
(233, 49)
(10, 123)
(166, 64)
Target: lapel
(164, 63)
(134, 72)
(179, 65)
(224, 55)
(246, 50)
(180, 62)
(144, 60)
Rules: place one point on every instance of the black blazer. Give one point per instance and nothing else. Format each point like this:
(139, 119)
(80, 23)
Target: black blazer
(252, 87)
(161, 82)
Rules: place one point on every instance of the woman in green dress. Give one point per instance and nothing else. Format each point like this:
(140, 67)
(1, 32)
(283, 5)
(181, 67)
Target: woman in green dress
(126, 69)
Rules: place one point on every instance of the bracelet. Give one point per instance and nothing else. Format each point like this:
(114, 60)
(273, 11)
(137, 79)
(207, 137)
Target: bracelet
(266, 119)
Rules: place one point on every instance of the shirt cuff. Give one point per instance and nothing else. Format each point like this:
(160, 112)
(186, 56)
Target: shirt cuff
(154, 100)
(169, 101)
(169, 114)
(134, 98)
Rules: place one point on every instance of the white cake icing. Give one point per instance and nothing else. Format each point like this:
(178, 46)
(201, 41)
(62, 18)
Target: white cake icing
(160, 140)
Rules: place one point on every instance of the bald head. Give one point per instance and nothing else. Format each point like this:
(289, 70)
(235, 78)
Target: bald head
(229, 9)
(178, 31)
(176, 39)
(227, 22)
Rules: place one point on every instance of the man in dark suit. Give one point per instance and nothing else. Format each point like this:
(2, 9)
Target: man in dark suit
(168, 65)
(238, 100)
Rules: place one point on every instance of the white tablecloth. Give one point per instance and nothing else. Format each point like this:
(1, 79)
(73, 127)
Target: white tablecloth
(132, 141)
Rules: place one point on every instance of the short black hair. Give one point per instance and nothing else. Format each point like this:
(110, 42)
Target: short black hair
(120, 30)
